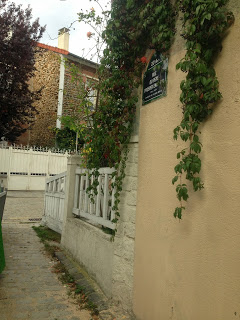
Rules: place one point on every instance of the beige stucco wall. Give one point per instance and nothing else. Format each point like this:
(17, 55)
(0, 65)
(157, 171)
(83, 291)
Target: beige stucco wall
(190, 269)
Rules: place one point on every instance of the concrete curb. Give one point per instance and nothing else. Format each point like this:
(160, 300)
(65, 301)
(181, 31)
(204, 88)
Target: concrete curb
(94, 296)
(106, 307)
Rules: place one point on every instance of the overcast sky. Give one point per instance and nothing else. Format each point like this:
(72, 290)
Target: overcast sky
(56, 14)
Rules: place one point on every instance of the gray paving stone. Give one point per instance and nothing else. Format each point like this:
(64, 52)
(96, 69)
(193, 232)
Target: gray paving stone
(22, 316)
(95, 298)
(73, 271)
(78, 276)
(40, 315)
(83, 283)
(60, 255)
(28, 288)
(88, 290)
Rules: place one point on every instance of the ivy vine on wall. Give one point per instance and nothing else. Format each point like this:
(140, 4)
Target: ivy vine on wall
(134, 26)
(204, 24)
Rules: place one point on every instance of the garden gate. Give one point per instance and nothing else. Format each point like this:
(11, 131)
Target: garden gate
(25, 168)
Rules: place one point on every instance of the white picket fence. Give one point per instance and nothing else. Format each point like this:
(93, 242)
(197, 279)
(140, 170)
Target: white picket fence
(54, 202)
(25, 168)
(100, 210)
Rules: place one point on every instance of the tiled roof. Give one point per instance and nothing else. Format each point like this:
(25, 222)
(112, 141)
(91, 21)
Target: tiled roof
(54, 49)
(70, 55)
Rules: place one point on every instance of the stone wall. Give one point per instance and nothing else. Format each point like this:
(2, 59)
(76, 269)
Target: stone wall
(46, 77)
(92, 249)
(72, 89)
(109, 263)
(123, 255)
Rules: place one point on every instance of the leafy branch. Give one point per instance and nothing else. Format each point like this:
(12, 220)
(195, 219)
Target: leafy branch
(132, 27)
(204, 24)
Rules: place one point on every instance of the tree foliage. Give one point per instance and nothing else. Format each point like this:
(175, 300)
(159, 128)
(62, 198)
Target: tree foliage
(17, 51)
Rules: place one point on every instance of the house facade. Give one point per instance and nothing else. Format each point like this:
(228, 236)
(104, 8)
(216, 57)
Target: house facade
(59, 93)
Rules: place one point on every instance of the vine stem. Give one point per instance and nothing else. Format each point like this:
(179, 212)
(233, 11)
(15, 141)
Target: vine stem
(202, 29)
(190, 135)
(181, 204)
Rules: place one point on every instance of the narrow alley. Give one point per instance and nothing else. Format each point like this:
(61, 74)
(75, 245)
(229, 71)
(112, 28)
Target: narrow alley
(28, 288)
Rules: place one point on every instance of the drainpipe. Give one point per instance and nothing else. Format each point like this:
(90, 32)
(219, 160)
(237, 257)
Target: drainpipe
(60, 92)
(63, 43)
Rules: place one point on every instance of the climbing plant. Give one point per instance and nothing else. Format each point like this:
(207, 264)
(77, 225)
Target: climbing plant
(133, 26)
(204, 24)
(76, 120)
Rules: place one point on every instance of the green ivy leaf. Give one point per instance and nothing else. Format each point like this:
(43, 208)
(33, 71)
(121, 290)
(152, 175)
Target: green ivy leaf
(196, 147)
(178, 212)
(174, 179)
(178, 168)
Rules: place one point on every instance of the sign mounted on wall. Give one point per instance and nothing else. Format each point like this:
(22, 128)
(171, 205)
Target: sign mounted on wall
(155, 78)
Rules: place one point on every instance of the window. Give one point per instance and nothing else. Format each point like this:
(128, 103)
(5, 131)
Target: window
(90, 84)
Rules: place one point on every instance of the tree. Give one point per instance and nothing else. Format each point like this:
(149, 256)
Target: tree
(17, 51)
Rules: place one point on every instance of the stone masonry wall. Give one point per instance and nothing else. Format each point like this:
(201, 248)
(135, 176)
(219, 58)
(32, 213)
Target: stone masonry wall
(123, 259)
(109, 263)
(71, 95)
(46, 77)
(71, 99)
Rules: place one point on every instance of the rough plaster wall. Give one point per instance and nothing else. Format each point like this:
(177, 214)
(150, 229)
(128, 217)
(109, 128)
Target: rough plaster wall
(46, 76)
(190, 269)
(123, 258)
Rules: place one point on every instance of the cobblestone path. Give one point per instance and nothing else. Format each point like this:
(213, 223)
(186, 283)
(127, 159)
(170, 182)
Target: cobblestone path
(28, 288)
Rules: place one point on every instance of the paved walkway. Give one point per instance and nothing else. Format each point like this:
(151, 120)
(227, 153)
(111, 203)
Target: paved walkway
(28, 288)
